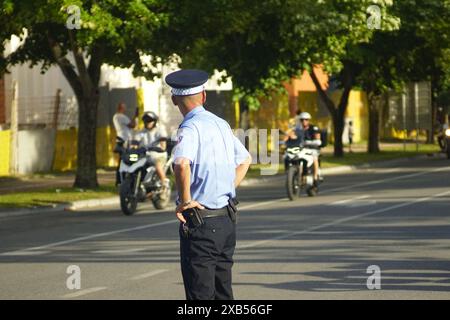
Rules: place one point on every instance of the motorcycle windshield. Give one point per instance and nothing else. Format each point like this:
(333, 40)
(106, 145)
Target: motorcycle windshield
(132, 155)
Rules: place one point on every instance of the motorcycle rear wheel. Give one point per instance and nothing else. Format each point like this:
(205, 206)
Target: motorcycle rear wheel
(128, 203)
(292, 183)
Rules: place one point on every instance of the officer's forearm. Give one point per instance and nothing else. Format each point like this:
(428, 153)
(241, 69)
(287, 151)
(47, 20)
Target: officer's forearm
(183, 180)
(241, 171)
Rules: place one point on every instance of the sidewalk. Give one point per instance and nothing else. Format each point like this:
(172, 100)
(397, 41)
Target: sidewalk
(41, 181)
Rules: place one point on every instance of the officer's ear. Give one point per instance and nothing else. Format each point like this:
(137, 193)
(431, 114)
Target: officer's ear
(174, 100)
(203, 97)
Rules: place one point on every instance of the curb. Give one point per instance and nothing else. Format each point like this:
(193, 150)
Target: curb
(72, 206)
(115, 201)
(83, 204)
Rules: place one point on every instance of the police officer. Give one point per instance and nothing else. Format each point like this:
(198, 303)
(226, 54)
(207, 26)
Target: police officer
(210, 162)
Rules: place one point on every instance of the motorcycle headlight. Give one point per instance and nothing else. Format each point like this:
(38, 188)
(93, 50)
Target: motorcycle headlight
(447, 132)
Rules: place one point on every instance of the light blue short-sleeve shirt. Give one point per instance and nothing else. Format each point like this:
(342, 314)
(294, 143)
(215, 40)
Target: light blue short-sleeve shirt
(214, 153)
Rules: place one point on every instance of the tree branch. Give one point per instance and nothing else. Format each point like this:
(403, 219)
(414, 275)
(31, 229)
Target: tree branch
(85, 79)
(322, 94)
(95, 64)
(348, 79)
(66, 66)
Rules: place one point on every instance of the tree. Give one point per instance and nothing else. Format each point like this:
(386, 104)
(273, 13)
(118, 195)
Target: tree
(337, 50)
(261, 44)
(112, 32)
(416, 51)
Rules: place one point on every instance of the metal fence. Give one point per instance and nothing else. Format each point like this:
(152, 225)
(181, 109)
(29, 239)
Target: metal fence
(58, 111)
(411, 110)
(61, 112)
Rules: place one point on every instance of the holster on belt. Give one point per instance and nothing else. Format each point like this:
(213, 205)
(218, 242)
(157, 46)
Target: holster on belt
(193, 216)
(232, 209)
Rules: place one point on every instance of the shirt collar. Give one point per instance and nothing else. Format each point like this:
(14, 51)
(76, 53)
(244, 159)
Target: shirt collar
(193, 112)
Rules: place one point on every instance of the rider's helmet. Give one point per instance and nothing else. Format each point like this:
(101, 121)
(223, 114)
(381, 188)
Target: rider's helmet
(150, 116)
(304, 115)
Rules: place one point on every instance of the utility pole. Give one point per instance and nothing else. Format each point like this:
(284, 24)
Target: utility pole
(416, 111)
(57, 107)
(14, 139)
(405, 131)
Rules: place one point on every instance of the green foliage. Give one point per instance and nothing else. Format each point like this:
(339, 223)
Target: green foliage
(260, 43)
(418, 50)
(121, 28)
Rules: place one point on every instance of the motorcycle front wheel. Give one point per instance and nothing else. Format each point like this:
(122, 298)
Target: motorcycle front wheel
(128, 203)
(292, 183)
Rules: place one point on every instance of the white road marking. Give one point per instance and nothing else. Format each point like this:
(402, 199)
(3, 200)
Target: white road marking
(119, 251)
(149, 274)
(355, 202)
(342, 220)
(259, 204)
(341, 202)
(37, 251)
(83, 292)
(104, 234)
(96, 235)
(23, 253)
(405, 176)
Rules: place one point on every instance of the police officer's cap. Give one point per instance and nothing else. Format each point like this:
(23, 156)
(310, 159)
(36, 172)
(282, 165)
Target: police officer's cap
(187, 82)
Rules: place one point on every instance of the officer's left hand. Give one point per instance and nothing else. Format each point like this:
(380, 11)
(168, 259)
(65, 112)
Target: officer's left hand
(180, 208)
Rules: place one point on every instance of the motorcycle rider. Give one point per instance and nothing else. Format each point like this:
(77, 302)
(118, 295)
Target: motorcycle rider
(309, 136)
(124, 130)
(151, 137)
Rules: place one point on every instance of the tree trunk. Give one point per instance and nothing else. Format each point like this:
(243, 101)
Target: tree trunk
(86, 174)
(374, 127)
(85, 86)
(338, 130)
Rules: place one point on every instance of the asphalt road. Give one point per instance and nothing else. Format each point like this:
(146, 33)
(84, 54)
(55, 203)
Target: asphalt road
(396, 217)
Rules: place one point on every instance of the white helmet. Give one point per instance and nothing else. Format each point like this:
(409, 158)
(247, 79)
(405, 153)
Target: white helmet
(304, 115)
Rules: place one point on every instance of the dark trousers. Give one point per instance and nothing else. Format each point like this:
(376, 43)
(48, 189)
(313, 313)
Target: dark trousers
(206, 259)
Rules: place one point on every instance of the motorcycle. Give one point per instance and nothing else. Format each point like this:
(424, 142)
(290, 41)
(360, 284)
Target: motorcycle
(299, 165)
(444, 140)
(138, 179)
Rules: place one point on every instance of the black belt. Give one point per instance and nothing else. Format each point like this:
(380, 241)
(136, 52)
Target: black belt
(210, 213)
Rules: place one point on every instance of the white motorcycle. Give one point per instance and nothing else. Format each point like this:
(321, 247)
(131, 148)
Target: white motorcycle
(299, 165)
(138, 178)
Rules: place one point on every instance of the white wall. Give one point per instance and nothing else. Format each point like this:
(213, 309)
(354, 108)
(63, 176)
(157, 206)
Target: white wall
(36, 150)
(34, 85)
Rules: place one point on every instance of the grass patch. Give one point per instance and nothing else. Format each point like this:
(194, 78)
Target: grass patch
(51, 197)
(389, 153)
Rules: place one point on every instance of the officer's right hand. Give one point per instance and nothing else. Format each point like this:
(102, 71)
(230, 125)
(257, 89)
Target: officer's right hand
(182, 207)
